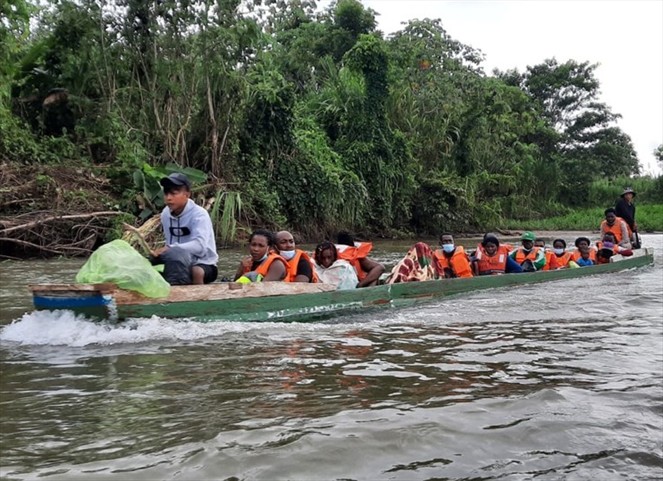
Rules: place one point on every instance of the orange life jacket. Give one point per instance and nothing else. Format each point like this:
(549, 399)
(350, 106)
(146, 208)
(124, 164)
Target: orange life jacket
(522, 256)
(559, 262)
(616, 229)
(354, 254)
(294, 262)
(551, 261)
(491, 264)
(263, 268)
(459, 263)
(575, 255)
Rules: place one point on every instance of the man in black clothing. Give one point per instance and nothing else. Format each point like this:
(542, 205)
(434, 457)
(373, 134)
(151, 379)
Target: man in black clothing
(625, 209)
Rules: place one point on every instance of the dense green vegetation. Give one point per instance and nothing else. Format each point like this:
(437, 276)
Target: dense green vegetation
(309, 120)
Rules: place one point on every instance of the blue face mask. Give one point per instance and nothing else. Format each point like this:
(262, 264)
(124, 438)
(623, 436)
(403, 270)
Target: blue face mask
(448, 248)
(559, 251)
(287, 255)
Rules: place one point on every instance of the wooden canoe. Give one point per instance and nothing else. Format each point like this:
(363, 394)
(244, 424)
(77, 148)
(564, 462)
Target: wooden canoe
(275, 301)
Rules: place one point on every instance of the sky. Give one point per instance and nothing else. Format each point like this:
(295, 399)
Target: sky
(624, 37)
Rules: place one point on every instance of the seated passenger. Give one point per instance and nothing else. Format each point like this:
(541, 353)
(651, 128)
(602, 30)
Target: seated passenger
(332, 270)
(300, 268)
(561, 257)
(550, 256)
(262, 263)
(452, 261)
(492, 258)
(618, 227)
(607, 247)
(585, 255)
(356, 253)
(579, 243)
(527, 256)
(417, 265)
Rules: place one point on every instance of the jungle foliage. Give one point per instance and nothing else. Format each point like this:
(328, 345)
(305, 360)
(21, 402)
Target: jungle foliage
(300, 118)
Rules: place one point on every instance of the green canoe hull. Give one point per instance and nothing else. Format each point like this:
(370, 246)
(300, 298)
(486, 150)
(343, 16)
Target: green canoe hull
(314, 305)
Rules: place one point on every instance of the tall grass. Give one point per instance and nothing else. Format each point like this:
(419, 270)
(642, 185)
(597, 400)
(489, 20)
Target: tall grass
(649, 218)
(226, 210)
(604, 192)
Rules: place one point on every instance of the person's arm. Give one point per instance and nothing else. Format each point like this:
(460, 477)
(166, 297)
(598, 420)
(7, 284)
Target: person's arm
(540, 261)
(304, 271)
(276, 272)
(512, 267)
(373, 269)
(626, 239)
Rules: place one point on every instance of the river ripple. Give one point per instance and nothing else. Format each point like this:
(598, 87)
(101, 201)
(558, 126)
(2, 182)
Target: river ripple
(558, 381)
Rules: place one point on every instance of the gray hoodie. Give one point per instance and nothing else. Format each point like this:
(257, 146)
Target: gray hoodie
(199, 240)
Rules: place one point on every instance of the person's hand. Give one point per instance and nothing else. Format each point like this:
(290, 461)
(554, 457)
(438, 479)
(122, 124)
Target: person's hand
(247, 262)
(159, 251)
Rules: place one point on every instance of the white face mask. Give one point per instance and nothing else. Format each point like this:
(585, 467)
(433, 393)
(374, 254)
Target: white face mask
(287, 255)
(263, 257)
(557, 251)
(448, 248)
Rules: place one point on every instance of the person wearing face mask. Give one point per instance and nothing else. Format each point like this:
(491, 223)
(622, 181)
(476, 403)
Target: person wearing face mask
(300, 268)
(529, 257)
(451, 260)
(561, 258)
(262, 263)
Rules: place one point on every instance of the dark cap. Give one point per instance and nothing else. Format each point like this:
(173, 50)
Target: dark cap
(176, 179)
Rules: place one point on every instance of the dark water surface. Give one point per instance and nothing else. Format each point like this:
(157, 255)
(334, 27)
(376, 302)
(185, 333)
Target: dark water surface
(556, 381)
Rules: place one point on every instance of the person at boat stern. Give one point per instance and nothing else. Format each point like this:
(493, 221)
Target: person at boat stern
(528, 256)
(300, 267)
(189, 256)
(617, 226)
(625, 209)
(262, 263)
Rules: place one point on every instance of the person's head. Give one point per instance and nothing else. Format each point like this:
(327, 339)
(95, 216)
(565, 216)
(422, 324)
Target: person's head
(610, 215)
(325, 254)
(490, 244)
(540, 243)
(580, 241)
(584, 251)
(345, 238)
(260, 242)
(609, 239)
(176, 191)
(285, 244)
(628, 194)
(527, 239)
(559, 246)
(447, 243)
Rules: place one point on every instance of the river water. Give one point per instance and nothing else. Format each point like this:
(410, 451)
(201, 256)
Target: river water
(556, 381)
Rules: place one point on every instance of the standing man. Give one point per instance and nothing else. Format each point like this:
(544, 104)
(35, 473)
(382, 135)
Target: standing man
(190, 254)
(625, 209)
(300, 267)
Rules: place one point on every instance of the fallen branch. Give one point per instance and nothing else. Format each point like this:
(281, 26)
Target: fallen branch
(139, 236)
(30, 244)
(36, 223)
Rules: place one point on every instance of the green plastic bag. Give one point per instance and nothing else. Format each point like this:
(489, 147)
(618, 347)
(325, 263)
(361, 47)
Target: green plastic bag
(121, 264)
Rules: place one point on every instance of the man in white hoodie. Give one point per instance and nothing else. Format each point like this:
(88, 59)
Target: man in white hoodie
(190, 254)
